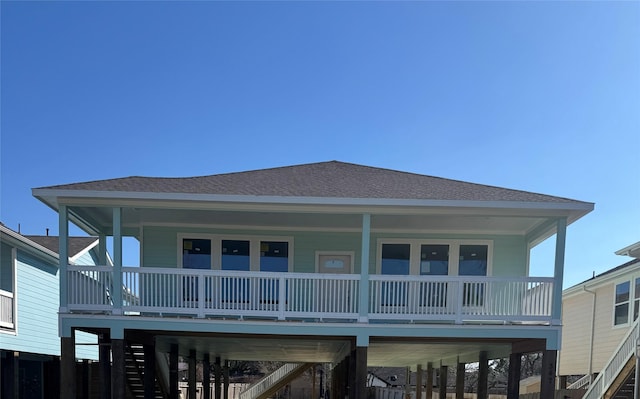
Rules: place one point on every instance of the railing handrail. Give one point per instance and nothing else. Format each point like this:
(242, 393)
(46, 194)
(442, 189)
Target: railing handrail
(6, 294)
(403, 277)
(616, 363)
(238, 273)
(582, 382)
(266, 382)
(318, 276)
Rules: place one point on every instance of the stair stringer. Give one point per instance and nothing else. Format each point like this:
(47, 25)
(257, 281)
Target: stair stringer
(621, 379)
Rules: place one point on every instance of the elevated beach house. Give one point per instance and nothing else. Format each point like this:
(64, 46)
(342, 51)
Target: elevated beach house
(29, 343)
(325, 262)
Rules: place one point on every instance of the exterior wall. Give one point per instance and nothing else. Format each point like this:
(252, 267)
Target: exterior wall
(36, 321)
(159, 247)
(577, 313)
(576, 333)
(89, 258)
(37, 308)
(606, 337)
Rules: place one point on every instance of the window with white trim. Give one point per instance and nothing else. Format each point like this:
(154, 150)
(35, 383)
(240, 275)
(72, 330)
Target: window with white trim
(621, 306)
(434, 257)
(229, 252)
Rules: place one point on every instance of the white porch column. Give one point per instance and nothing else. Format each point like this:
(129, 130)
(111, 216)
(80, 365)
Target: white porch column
(117, 261)
(364, 269)
(558, 274)
(63, 253)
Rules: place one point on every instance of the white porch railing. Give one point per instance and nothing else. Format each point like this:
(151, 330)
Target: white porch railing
(582, 383)
(460, 298)
(616, 363)
(210, 293)
(6, 309)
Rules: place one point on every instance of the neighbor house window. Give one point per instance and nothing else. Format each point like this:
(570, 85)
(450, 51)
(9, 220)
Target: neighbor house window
(636, 299)
(621, 309)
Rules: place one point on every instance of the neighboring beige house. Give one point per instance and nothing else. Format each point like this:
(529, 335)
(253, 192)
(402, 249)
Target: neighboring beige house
(597, 315)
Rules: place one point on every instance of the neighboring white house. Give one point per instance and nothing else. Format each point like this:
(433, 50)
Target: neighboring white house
(597, 315)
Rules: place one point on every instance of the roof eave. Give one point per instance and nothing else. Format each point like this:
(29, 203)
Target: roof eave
(31, 246)
(599, 280)
(50, 197)
(632, 250)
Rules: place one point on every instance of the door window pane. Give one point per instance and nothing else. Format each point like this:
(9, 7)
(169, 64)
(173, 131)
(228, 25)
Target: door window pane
(434, 260)
(395, 258)
(473, 260)
(196, 253)
(235, 255)
(274, 256)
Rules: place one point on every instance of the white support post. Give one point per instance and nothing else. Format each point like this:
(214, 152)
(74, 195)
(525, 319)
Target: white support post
(364, 269)
(117, 261)
(201, 296)
(558, 274)
(459, 301)
(63, 251)
(282, 297)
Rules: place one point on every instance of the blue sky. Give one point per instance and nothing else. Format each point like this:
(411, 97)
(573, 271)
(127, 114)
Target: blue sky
(537, 96)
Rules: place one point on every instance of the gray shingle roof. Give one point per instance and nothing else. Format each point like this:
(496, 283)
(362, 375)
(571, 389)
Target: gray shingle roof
(76, 244)
(331, 179)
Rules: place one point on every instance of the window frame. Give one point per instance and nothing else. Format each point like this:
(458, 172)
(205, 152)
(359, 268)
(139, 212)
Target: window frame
(254, 248)
(630, 302)
(415, 247)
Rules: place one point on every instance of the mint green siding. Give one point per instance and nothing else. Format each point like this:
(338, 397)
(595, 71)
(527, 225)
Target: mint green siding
(36, 318)
(87, 259)
(37, 308)
(159, 246)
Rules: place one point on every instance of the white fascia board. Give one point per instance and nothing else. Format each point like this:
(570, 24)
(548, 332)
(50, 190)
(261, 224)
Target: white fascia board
(601, 280)
(626, 251)
(52, 194)
(84, 251)
(18, 239)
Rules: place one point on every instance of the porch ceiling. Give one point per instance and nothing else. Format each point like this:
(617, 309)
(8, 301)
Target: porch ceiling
(99, 220)
(381, 353)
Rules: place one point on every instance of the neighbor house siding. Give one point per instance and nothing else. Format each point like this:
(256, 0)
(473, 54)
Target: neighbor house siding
(37, 313)
(576, 319)
(606, 337)
(89, 258)
(36, 323)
